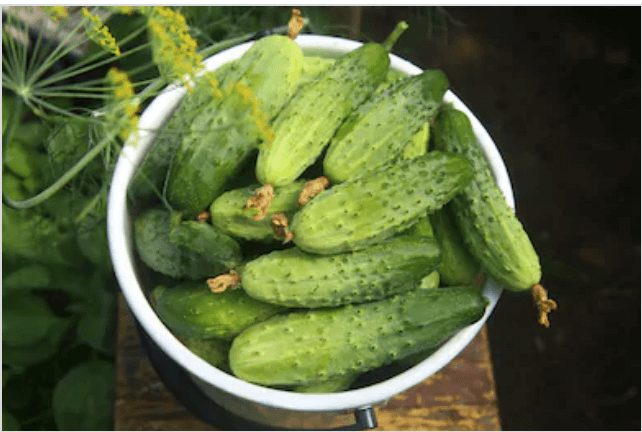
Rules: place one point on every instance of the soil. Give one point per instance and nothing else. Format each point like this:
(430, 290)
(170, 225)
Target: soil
(558, 89)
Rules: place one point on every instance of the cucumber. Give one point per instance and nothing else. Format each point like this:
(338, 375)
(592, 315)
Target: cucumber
(183, 249)
(213, 351)
(379, 130)
(334, 385)
(191, 310)
(304, 347)
(229, 215)
(458, 266)
(432, 280)
(313, 68)
(311, 118)
(150, 177)
(378, 204)
(488, 225)
(222, 137)
(295, 278)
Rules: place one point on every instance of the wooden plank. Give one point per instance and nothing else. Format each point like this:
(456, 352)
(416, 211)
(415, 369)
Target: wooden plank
(459, 397)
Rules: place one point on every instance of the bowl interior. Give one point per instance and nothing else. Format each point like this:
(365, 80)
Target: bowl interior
(133, 288)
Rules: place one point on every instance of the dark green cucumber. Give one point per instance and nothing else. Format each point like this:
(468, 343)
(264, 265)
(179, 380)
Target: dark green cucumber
(305, 347)
(182, 249)
(378, 204)
(222, 138)
(295, 278)
(150, 178)
(213, 351)
(191, 310)
(379, 130)
(311, 118)
(457, 267)
(488, 225)
(229, 215)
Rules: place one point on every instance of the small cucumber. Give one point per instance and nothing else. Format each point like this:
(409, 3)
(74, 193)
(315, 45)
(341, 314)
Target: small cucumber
(457, 267)
(191, 310)
(183, 249)
(295, 278)
(304, 347)
(229, 215)
(488, 226)
(213, 351)
(379, 130)
(311, 118)
(221, 138)
(378, 204)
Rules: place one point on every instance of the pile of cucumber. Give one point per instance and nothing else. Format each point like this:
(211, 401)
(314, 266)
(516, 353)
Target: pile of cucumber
(381, 266)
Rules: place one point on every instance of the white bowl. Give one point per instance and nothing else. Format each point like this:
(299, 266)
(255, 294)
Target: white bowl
(249, 400)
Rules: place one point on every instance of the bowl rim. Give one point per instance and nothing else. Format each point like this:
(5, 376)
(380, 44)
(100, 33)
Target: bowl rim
(119, 232)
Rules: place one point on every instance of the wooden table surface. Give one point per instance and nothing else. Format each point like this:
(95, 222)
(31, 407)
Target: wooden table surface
(459, 397)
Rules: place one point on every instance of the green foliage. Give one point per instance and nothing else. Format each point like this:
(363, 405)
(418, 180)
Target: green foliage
(82, 399)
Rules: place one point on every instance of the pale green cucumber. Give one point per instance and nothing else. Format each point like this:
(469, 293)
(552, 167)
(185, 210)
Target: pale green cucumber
(378, 204)
(307, 123)
(306, 347)
(295, 278)
(488, 225)
(229, 215)
(379, 130)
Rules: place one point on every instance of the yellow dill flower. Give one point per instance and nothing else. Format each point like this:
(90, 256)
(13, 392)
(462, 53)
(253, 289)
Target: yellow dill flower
(99, 33)
(174, 48)
(126, 106)
(260, 118)
(56, 12)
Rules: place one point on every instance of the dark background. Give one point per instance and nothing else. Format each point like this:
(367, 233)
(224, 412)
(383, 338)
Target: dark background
(558, 89)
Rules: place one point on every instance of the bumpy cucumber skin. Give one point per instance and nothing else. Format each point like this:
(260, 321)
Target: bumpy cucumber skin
(379, 130)
(313, 68)
(310, 119)
(374, 206)
(180, 249)
(150, 178)
(221, 139)
(457, 267)
(229, 215)
(489, 227)
(205, 243)
(307, 347)
(295, 278)
(191, 310)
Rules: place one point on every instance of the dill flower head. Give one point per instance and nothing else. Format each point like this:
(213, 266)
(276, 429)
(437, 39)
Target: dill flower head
(174, 48)
(56, 12)
(99, 33)
(125, 104)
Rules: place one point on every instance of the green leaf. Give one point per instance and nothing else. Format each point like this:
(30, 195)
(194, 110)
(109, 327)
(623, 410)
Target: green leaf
(25, 356)
(26, 319)
(12, 186)
(32, 133)
(28, 277)
(9, 422)
(97, 325)
(29, 235)
(92, 241)
(21, 160)
(7, 101)
(83, 398)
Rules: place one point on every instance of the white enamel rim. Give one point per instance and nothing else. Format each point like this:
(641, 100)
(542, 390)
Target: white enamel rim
(122, 254)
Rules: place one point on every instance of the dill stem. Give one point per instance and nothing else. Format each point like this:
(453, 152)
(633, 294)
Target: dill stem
(65, 178)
